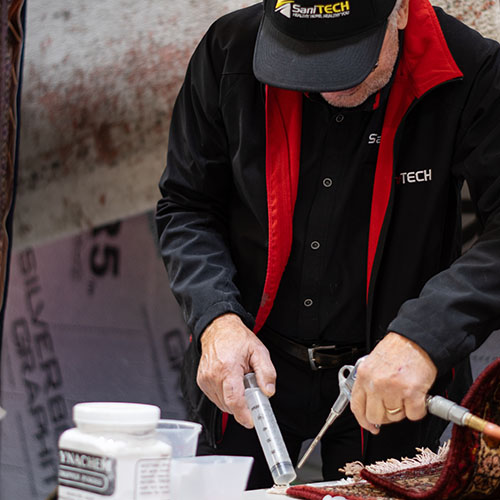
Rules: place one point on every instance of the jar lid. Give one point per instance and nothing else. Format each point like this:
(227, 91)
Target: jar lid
(135, 416)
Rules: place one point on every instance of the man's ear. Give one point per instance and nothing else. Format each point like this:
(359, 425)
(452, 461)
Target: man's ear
(403, 14)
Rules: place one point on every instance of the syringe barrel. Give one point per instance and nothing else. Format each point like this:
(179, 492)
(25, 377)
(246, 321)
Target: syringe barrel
(268, 432)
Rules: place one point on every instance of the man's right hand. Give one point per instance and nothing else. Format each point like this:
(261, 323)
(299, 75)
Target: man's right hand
(229, 350)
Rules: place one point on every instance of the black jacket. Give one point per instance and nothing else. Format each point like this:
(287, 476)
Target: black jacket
(442, 128)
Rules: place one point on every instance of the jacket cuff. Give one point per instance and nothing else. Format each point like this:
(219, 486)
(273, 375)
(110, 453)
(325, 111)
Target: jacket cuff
(218, 309)
(431, 344)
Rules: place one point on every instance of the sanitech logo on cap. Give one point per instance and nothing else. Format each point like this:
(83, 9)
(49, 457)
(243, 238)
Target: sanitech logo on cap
(284, 7)
(319, 11)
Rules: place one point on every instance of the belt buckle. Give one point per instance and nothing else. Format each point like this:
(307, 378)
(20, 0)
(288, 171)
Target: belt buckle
(312, 350)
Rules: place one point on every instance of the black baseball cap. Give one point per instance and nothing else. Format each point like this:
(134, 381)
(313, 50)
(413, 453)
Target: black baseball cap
(319, 45)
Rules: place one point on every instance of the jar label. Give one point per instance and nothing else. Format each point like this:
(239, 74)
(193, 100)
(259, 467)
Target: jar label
(83, 476)
(87, 472)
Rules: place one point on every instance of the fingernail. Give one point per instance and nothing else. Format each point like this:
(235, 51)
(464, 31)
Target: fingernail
(270, 388)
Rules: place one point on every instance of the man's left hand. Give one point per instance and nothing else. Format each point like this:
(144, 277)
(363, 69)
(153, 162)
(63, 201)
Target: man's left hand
(392, 383)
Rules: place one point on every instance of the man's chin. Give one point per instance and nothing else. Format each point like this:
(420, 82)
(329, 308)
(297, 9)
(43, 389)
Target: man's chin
(349, 98)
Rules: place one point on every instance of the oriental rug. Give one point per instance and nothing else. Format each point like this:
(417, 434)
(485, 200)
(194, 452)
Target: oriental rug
(11, 52)
(467, 468)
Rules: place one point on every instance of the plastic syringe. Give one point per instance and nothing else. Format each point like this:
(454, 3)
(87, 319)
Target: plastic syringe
(268, 432)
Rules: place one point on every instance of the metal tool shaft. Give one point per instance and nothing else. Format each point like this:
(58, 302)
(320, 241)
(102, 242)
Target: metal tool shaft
(329, 421)
(345, 388)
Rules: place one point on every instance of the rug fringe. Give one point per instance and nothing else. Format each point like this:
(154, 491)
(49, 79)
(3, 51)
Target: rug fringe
(282, 490)
(425, 456)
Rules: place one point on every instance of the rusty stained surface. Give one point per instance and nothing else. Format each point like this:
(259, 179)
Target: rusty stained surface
(100, 79)
(482, 15)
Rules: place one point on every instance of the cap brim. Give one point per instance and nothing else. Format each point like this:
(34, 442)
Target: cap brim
(309, 66)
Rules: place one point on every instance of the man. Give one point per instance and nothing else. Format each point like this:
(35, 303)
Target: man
(312, 197)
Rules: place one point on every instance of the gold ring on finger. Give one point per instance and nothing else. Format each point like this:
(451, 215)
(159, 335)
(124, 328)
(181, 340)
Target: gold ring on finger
(393, 411)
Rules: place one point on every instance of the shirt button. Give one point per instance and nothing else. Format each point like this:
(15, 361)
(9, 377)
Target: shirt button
(339, 118)
(315, 245)
(327, 182)
(308, 302)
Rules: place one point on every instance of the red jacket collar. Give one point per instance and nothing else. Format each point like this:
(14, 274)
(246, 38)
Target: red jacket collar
(426, 60)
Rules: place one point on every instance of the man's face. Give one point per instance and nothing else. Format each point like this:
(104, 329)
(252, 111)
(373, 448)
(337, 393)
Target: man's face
(376, 80)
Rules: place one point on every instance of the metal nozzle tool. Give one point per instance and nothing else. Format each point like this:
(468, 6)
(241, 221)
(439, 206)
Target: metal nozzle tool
(436, 405)
(345, 389)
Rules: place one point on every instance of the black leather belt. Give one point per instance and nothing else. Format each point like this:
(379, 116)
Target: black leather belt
(318, 357)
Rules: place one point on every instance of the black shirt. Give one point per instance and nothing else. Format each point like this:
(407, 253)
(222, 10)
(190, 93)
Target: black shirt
(322, 293)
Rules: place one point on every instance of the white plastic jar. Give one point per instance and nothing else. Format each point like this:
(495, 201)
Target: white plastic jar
(113, 453)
